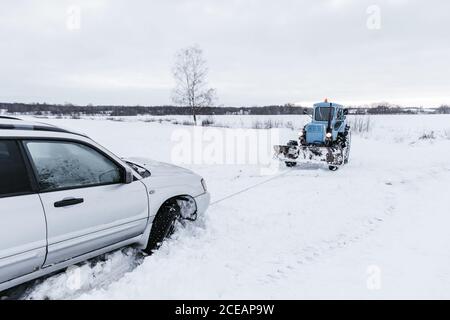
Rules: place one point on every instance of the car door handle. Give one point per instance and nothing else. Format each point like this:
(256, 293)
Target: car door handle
(68, 202)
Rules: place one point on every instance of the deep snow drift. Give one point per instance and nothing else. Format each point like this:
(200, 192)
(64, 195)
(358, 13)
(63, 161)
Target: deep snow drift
(377, 228)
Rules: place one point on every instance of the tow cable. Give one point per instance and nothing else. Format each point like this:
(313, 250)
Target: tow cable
(250, 187)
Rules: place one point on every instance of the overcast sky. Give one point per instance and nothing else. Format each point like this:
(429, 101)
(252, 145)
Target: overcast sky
(258, 51)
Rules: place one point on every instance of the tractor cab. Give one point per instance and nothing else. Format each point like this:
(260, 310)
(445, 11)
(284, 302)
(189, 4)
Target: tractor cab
(328, 120)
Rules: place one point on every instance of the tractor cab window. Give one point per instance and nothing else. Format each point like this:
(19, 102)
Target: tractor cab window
(324, 113)
(339, 119)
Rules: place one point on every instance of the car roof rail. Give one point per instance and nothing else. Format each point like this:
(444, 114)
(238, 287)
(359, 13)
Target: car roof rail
(36, 127)
(9, 118)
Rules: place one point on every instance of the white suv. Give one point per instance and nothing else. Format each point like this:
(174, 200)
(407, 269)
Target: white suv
(65, 199)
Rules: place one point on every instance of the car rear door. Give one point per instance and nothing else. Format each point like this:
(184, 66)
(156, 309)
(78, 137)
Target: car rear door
(87, 204)
(22, 221)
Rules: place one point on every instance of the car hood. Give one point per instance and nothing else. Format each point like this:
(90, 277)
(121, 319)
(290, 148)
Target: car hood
(157, 168)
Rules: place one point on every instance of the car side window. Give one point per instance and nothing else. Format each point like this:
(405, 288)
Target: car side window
(14, 177)
(65, 165)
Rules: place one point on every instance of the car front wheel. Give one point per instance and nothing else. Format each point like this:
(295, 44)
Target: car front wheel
(163, 225)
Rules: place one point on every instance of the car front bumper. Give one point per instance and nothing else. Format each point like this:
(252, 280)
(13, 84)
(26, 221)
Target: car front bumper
(202, 202)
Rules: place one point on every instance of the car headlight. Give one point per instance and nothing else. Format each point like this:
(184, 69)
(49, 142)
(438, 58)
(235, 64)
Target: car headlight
(203, 182)
(328, 135)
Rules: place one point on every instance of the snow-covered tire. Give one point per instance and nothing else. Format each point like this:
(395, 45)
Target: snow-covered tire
(291, 143)
(333, 168)
(347, 148)
(163, 225)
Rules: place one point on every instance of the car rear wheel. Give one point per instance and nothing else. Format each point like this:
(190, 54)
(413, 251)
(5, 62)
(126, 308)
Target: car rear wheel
(163, 225)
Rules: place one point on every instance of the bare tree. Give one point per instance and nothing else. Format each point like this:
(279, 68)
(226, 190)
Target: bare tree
(191, 87)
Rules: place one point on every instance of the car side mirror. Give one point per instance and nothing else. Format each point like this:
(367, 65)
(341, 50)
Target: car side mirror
(345, 111)
(128, 176)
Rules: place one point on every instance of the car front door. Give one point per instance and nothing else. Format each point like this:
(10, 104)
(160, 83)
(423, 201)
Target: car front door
(22, 221)
(87, 204)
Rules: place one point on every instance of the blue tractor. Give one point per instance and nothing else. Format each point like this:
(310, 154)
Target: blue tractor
(326, 139)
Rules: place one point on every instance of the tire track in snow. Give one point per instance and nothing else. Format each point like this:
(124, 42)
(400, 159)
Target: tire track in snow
(313, 253)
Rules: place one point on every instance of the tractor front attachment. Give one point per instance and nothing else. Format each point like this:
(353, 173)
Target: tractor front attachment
(293, 154)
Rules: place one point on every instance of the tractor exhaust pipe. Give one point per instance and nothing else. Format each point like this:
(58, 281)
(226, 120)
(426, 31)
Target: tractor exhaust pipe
(329, 118)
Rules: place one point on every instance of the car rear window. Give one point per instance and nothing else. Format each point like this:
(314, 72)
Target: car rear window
(13, 173)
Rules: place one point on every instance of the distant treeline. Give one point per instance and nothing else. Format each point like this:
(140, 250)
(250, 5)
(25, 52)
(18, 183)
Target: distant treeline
(41, 109)
(70, 110)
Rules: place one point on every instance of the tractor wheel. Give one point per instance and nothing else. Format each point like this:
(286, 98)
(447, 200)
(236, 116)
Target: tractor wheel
(290, 164)
(163, 225)
(347, 148)
(333, 168)
(291, 143)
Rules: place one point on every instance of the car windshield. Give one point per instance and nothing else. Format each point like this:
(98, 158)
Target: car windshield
(323, 113)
